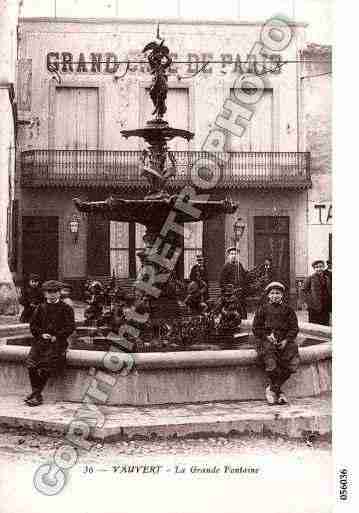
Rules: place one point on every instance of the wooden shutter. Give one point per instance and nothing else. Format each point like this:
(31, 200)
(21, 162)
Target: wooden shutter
(258, 135)
(98, 246)
(76, 118)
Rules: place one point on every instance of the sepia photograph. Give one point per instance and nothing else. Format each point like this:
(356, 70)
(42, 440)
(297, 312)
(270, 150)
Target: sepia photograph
(166, 257)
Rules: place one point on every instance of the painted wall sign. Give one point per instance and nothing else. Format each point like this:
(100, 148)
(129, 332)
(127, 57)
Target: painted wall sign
(109, 62)
(321, 213)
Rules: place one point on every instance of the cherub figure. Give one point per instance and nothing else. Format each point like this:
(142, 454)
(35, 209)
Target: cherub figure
(159, 60)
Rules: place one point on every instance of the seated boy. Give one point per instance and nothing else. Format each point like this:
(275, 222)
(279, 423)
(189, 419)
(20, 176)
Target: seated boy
(51, 325)
(275, 327)
(195, 297)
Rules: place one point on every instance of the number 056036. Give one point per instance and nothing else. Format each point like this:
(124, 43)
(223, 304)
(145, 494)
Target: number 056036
(343, 484)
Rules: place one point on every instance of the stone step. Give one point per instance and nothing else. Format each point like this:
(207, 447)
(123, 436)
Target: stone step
(302, 418)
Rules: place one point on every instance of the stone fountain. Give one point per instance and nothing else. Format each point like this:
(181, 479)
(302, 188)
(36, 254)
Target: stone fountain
(163, 215)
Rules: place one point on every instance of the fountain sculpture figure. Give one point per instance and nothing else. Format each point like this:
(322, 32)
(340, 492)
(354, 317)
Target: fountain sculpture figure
(158, 166)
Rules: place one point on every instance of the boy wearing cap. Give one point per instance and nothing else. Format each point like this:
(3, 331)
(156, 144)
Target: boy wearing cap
(51, 325)
(233, 273)
(31, 297)
(317, 291)
(275, 327)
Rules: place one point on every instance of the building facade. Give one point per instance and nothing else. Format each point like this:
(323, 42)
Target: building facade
(317, 86)
(76, 92)
(8, 51)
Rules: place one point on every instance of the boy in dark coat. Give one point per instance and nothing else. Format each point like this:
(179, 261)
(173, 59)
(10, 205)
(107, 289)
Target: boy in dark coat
(52, 323)
(275, 327)
(233, 273)
(31, 297)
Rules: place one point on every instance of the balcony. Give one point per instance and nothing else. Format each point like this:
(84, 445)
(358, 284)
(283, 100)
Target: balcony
(122, 169)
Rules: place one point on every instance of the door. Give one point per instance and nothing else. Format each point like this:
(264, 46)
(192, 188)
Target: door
(271, 240)
(40, 246)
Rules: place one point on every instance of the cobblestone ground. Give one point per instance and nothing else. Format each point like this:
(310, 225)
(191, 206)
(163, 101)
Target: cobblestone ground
(289, 476)
(20, 444)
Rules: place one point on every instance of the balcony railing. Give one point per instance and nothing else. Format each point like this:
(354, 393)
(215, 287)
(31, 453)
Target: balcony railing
(122, 169)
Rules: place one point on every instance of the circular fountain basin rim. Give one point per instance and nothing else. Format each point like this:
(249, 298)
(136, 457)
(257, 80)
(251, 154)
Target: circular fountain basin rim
(224, 358)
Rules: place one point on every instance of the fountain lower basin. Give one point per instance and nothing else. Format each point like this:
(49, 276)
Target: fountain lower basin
(173, 378)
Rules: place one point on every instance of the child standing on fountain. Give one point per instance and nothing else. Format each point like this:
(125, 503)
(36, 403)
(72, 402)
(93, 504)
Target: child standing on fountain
(275, 327)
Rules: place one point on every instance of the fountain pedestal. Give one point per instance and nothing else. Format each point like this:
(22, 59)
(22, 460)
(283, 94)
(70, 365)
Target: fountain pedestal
(164, 216)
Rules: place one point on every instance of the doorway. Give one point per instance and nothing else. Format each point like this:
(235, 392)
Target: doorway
(271, 240)
(40, 246)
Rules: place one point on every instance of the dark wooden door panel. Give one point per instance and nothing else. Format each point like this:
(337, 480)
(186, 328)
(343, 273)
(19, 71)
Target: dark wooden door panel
(40, 246)
(271, 239)
(98, 246)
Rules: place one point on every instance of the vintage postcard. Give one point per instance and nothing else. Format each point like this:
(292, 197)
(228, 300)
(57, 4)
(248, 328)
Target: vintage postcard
(167, 257)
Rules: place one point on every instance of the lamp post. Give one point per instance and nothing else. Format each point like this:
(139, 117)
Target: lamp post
(74, 226)
(238, 229)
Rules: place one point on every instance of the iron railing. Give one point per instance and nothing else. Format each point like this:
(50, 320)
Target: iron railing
(122, 169)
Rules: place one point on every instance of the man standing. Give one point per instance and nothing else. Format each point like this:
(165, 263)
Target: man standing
(317, 291)
(234, 273)
(51, 325)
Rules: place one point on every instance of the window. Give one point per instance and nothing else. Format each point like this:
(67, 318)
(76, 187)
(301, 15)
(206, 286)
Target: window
(140, 231)
(193, 237)
(126, 239)
(119, 249)
(76, 118)
(258, 135)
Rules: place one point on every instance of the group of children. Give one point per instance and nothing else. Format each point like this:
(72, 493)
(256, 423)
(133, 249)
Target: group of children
(275, 328)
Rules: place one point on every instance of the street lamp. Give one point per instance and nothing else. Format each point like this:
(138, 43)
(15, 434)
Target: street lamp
(238, 228)
(74, 226)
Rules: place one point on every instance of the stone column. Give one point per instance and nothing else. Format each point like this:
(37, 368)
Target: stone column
(8, 45)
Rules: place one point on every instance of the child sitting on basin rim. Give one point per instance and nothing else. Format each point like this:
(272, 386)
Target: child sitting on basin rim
(275, 327)
(51, 325)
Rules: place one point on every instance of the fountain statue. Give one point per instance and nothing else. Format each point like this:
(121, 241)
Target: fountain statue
(162, 214)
